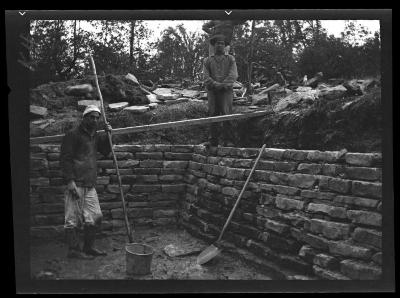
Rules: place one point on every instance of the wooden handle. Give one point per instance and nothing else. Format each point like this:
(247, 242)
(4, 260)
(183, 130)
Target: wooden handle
(128, 229)
(241, 192)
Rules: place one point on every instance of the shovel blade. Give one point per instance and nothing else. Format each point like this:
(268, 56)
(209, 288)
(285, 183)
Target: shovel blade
(208, 254)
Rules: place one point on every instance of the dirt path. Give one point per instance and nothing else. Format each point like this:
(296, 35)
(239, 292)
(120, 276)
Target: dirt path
(48, 260)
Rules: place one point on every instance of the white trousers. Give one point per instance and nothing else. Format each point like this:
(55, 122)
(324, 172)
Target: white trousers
(83, 211)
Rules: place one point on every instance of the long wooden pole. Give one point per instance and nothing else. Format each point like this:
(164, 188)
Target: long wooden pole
(128, 228)
(158, 126)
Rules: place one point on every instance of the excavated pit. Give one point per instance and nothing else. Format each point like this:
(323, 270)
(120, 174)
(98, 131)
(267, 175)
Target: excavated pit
(305, 215)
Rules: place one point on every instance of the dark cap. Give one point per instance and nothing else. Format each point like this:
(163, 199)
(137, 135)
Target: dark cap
(218, 37)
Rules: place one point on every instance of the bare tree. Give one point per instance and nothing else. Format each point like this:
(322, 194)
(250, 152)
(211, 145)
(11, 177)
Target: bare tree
(250, 64)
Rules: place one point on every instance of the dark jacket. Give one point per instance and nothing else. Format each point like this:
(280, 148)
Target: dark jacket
(78, 158)
(224, 71)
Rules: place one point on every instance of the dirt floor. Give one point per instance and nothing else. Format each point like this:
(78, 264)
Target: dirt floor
(48, 260)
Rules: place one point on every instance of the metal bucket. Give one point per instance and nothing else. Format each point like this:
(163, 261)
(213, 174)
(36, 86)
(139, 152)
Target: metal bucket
(138, 258)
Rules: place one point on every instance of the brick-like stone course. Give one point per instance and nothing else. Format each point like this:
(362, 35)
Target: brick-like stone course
(365, 217)
(363, 159)
(334, 184)
(317, 213)
(335, 212)
(360, 270)
(286, 203)
(330, 230)
(367, 189)
(368, 236)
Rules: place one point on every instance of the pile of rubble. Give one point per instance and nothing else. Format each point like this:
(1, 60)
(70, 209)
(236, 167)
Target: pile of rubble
(64, 101)
(119, 93)
(285, 97)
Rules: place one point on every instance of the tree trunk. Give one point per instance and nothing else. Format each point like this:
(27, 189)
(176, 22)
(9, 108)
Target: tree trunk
(56, 43)
(250, 64)
(74, 39)
(131, 42)
(106, 33)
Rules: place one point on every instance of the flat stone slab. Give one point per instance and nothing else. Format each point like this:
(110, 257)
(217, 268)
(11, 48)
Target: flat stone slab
(137, 109)
(190, 93)
(117, 106)
(38, 122)
(37, 111)
(79, 90)
(165, 94)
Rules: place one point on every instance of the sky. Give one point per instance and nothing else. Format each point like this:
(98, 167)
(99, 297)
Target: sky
(332, 26)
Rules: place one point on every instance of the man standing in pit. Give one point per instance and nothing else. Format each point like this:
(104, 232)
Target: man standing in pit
(78, 161)
(220, 72)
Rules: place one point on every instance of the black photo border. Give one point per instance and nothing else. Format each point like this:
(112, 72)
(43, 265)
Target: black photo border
(18, 114)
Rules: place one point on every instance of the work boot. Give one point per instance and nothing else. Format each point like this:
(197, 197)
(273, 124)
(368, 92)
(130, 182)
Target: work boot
(88, 246)
(74, 251)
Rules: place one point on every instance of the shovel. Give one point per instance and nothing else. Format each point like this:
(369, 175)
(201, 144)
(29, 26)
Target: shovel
(213, 250)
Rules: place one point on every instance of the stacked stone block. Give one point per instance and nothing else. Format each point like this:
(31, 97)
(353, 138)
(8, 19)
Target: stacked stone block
(318, 213)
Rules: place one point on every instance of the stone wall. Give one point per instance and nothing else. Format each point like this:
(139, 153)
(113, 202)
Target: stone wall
(317, 214)
(152, 181)
(304, 215)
